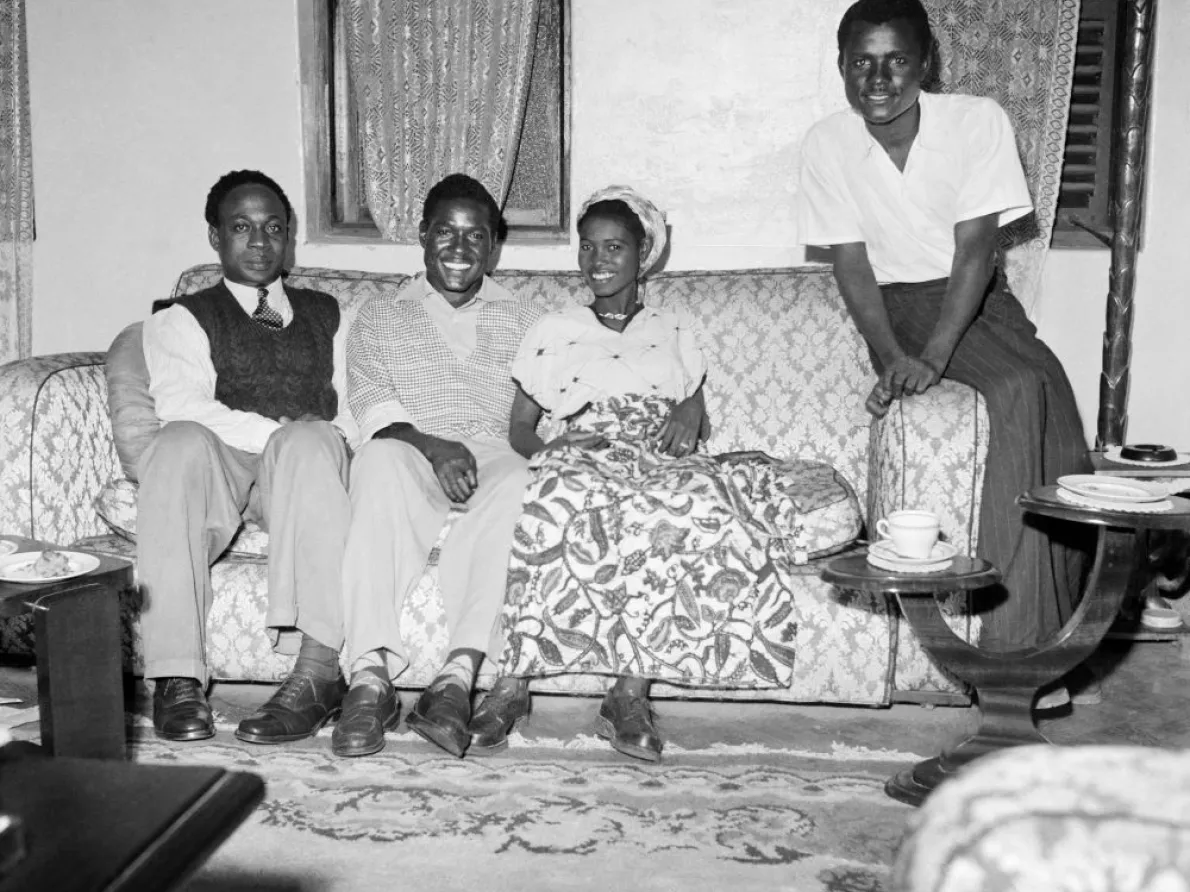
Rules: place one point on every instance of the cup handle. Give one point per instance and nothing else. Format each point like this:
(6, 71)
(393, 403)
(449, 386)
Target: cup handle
(882, 528)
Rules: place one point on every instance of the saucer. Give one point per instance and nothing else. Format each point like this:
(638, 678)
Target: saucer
(883, 549)
(1105, 488)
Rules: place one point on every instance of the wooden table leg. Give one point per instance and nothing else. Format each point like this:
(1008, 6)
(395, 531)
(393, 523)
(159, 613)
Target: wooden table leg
(1006, 682)
(80, 691)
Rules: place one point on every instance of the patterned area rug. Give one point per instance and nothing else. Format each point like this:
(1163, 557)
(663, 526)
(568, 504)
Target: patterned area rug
(551, 814)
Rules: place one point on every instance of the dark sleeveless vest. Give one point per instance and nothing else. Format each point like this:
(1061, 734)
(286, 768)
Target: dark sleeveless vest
(272, 372)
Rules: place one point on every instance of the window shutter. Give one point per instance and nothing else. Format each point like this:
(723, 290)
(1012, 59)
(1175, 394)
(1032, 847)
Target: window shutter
(1084, 201)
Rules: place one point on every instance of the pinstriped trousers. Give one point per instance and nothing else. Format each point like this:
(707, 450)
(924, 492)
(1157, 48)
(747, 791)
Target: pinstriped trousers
(1036, 436)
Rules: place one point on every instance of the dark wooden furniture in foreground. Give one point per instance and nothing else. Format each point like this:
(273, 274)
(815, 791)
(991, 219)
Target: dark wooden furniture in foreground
(116, 826)
(1007, 682)
(80, 690)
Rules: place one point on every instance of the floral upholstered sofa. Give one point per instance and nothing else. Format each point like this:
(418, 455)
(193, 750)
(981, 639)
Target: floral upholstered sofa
(788, 375)
(1055, 818)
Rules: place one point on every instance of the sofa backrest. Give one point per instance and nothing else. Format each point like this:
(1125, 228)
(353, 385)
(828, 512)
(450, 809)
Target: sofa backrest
(788, 370)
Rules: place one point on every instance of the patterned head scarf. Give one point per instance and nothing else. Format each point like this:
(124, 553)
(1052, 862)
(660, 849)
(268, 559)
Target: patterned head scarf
(651, 219)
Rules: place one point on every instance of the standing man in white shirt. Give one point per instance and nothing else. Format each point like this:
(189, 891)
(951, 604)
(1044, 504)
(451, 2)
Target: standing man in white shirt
(249, 380)
(909, 190)
(431, 389)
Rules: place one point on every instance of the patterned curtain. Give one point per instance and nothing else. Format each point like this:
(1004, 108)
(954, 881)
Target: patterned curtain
(16, 188)
(1021, 53)
(440, 86)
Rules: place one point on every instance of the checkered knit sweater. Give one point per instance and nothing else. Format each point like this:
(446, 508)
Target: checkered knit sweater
(395, 352)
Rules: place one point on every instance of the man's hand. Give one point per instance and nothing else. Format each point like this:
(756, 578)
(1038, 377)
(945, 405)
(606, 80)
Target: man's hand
(909, 375)
(454, 466)
(878, 401)
(680, 434)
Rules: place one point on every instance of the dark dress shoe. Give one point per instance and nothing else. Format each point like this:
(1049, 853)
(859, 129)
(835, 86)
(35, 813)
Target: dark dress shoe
(627, 721)
(499, 712)
(441, 716)
(301, 706)
(181, 711)
(368, 711)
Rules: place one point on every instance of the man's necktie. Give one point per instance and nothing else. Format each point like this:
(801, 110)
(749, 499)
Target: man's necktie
(265, 314)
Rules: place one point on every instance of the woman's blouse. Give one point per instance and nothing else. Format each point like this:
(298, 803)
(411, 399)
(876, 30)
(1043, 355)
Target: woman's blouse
(569, 359)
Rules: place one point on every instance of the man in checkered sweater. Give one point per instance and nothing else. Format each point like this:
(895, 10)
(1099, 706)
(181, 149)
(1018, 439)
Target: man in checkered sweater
(429, 384)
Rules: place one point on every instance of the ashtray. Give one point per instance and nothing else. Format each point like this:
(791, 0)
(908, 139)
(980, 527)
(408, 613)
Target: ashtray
(1155, 452)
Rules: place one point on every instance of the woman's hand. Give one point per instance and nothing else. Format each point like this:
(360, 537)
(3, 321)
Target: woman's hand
(680, 435)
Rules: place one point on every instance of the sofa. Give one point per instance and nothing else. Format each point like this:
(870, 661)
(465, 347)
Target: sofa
(788, 375)
(1059, 819)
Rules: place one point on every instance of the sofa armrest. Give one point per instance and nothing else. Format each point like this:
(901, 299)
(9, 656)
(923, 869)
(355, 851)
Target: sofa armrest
(56, 446)
(929, 452)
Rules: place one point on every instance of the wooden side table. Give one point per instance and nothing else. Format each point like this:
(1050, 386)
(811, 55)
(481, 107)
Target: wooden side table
(116, 826)
(1143, 592)
(80, 683)
(1006, 682)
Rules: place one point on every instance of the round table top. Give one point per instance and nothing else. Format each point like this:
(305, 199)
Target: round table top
(1044, 500)
(964, 573)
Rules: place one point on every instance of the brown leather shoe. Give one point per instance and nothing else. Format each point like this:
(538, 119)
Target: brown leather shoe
(626, 719)
(368, 711)
(181, 711)
(504, 706)
(300, 706)
(441, 716)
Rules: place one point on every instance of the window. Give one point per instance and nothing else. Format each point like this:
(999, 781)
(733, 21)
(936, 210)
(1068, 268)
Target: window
(1085, 197)
(538, 202)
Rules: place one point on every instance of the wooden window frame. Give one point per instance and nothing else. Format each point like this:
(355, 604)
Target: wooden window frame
(1091, 226)
(325, 203)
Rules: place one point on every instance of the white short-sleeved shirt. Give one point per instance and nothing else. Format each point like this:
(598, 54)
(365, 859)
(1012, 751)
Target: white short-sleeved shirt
(568, 359)
(963, 164)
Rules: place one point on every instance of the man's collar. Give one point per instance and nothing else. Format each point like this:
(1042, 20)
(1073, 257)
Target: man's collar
(488, 291)
(928, 127)
(247, 295)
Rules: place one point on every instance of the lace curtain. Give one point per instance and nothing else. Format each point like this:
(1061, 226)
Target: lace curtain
(441, 86)
(16, 188)
(1021, 53)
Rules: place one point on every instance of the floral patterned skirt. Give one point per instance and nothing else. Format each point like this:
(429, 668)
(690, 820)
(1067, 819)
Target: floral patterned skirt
(628, 561)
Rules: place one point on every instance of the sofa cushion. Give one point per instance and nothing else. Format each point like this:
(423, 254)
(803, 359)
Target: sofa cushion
(116, 504)
(133, 413)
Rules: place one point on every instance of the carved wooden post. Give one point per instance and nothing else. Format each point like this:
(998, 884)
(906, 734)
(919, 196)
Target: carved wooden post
(1127, 201)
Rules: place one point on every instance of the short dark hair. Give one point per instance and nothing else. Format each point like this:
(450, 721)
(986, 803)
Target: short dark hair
(233, 180)
(880, 12)
(456, 186)
(617, 210)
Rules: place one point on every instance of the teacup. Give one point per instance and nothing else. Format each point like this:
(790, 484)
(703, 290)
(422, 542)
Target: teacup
(913, 533)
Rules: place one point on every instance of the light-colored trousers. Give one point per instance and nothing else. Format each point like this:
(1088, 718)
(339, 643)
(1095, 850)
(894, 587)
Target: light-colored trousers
(398, 509)
(196, 491)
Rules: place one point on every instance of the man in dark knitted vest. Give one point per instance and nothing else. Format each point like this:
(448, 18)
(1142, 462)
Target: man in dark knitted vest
(248, 378)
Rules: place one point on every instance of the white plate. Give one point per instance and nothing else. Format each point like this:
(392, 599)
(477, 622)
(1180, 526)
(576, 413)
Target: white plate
(7, 546)
(19, 567)
(883, 549)
(1106, 488)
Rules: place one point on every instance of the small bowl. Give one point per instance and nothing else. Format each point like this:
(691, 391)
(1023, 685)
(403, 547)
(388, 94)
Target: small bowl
(1155, 452)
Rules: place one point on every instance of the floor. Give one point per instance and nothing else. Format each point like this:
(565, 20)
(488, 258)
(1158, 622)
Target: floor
(1146, 700)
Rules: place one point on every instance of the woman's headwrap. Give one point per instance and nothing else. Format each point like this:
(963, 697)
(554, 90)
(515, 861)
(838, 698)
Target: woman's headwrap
(651, 219)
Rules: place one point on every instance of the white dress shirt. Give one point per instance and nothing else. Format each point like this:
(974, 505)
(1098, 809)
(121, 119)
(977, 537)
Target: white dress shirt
(182, 374)
(963, 164)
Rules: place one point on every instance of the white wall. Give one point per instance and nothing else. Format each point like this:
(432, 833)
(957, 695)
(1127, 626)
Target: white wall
(139, 105)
